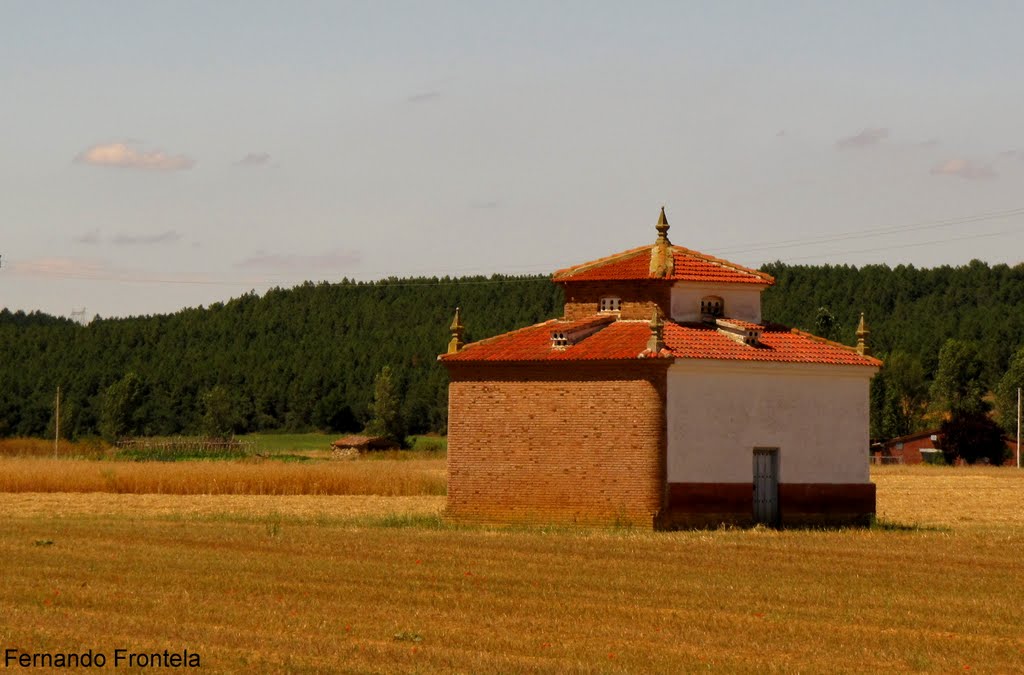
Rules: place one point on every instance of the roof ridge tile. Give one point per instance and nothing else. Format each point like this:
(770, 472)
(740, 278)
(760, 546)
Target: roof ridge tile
(688, 265)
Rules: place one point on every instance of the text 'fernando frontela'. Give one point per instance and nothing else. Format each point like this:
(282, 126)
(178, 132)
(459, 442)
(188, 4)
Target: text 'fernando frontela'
(121, 658)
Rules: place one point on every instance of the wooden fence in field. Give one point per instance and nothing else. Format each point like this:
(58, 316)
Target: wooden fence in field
(184, 446)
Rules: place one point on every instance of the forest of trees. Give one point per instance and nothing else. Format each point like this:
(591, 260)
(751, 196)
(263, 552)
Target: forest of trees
(309, 357)
(295, 359)
(975, 311)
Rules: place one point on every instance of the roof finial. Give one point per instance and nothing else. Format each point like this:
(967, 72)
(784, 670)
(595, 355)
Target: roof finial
(662, 228)
(456, 343)
(862, 337)
(662, 261)
(657, 340)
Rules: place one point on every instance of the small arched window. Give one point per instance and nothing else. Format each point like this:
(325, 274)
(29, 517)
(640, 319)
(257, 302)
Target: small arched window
(610, 304)
(712, 305)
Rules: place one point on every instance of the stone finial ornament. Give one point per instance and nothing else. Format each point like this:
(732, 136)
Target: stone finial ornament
(657, 340)
(862, 337)
(662, 262)
(456, 343)
(662, 228)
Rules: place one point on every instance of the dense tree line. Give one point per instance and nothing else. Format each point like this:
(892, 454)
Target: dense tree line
(311, 356)
(909, 310)
(952, 338)
(296, 359)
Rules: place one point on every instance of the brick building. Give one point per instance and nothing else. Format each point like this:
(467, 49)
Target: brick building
(926, 446)
(911, 449)
(660, 399)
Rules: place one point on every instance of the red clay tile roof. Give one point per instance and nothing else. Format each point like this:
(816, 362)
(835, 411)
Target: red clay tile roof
(690, 265)
(627, 340)
(777, 343)
(619, 340)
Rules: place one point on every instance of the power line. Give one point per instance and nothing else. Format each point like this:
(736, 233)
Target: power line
(891, 246)
(536, 268)
(890, 229)
(275, 282)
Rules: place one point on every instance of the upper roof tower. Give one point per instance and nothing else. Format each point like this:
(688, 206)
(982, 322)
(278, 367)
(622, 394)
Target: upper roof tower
(663, 262)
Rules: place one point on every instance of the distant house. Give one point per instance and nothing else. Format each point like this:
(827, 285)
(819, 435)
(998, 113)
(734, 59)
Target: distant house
(364, 443)
(911, 449)
(926, 446)
(660, 398)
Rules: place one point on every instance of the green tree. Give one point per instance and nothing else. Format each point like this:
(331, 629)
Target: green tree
(908, 391)
(827, 325)
(219, 418)
(386, 410)
(121, 404)
(68, 417)
(1006, 392)
(968, 433)
(971, 435)
(957, 385)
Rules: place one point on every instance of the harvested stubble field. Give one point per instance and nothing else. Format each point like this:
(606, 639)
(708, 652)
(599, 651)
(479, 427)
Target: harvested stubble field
(248, 477)
(371, 584)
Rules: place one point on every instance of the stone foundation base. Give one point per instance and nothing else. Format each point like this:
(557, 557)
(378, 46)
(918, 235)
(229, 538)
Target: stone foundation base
(704, 505)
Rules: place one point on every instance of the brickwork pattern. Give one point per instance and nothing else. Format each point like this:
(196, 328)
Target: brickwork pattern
(580, 443)
(639, 298)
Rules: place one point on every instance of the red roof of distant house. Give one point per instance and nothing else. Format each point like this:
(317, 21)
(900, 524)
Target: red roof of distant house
(364, 442)
(623, 340)
(689, 265)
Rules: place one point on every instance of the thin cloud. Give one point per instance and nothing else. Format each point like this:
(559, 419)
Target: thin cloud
(485, 205)
(424, 97)
(90, 237)
(129, 155)
(289, 262)
(62, 267)
(864, 139)
(93, 269)
(1013, 154)
(963, 168)
(168, 237)
(254, 159)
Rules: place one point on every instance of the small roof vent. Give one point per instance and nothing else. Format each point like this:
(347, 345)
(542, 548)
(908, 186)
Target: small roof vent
(566, 334)
(740, 331)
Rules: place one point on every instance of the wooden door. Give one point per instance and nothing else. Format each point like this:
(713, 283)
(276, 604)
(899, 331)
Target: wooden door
(766, 486)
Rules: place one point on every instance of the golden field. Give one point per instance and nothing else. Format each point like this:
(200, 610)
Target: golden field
(390, 477)
(383, 584)
(39, 447)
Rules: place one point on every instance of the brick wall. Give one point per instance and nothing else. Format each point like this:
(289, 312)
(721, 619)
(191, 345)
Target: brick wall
(638, 298)
(566, 442)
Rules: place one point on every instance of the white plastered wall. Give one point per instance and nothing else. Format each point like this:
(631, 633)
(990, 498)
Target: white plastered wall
(742, 301)
(719, 411)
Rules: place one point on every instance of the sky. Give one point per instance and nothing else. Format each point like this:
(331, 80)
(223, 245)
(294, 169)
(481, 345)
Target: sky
(161, 155)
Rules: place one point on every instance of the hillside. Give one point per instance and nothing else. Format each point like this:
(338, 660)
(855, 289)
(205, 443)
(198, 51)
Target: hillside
(306, 357)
